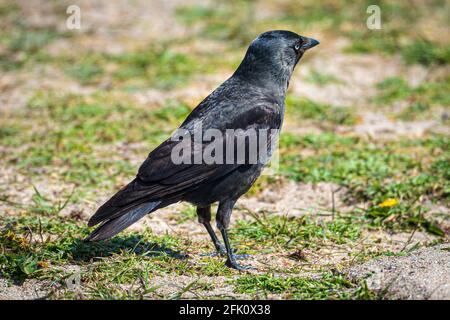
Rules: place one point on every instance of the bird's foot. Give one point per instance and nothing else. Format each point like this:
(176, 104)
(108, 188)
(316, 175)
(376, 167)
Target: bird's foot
(220, 251)
(231, 263)
(241, 256)
(212, 254)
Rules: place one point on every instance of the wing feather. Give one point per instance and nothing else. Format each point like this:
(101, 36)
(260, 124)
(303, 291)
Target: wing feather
(159, 178)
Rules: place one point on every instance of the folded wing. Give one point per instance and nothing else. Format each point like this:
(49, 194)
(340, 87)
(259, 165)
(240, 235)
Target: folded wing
(161, 181)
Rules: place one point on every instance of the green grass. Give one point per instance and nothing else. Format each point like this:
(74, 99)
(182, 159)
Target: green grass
(27, 246)
(86, 72)
(189, 214)
(159, 67)
(426, 53)
(23, 45)
(274, 232)
(70, 127)
(395, 89)
(373, 172)
(39, 245)
(322, 78)
(328, 286)
(396, 36)
(305, 109)
(155, 65)
(416, 51)
(152, 64)
(232, 20)
(30, 41)
(424, 101)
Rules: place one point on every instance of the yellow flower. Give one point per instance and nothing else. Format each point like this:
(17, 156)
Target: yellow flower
(23, 242)
(43, 264)
(388, 203)
(10, 235)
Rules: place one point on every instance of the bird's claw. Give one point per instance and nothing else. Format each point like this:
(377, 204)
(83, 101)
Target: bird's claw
(234, 265)
(213, 254)
(221, 251)
(241, 256)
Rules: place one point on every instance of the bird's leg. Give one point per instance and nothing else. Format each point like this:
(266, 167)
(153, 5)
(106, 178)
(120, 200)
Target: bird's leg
(223, 220)
(204, 217)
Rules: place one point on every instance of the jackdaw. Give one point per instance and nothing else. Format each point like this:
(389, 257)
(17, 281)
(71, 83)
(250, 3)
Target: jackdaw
(253, 98)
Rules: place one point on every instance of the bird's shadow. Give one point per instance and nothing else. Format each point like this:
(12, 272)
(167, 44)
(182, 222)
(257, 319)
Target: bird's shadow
(86, 251)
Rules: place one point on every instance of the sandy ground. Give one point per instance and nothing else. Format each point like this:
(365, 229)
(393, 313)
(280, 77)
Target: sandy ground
(423, 274)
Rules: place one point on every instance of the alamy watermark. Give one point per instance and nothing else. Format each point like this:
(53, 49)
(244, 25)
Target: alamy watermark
(229, 146)
(373, 22)
(73, 281)
(74, 19)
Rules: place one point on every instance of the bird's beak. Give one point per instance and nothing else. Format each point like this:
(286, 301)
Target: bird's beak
(310, 42)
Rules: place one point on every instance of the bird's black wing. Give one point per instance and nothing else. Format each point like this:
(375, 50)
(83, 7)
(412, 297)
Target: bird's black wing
(160, 179)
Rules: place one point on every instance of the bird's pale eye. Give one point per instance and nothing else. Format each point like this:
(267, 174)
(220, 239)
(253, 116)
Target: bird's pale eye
(297, 47)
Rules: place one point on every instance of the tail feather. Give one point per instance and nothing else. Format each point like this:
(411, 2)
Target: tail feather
(113, 226)
(123, 201)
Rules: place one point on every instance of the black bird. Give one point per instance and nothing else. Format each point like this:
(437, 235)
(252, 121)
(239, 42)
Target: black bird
(252, 98)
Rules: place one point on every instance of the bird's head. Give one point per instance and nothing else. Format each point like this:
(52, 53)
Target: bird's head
(272, 57)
